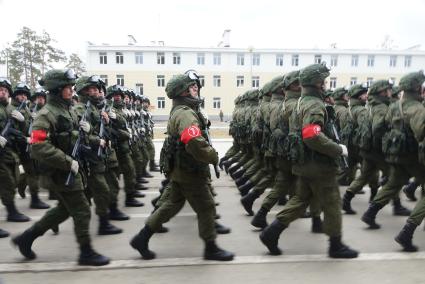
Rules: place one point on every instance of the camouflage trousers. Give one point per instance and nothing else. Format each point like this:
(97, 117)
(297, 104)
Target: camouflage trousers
(72, 204)
(99, 189)
(9, 174)
(127, 168)
(200, 199)
(325, 192)
(369, 174)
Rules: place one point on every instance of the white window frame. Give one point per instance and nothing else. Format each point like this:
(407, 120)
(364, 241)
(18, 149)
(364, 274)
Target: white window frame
(240, 59)
(176, 58)
(138, 57)
(139, 88)
(216, 58)
(160, 102)
(317, 58)
(295, 60)
(160, 58)
(334, 60)
(354, 60)
(217, 81)
(256, 58)
(353, 81)
(279, 59)
(105, 79)
(103, 58)
(240, 81)
(119, 57)
(255, 82)
(370, 60)
(216, 102)
(369, 81)
(393, 60)
(200, 58)
(407, 61)
(120, 80)
(332, 82)
(160, 80)
(202, 80)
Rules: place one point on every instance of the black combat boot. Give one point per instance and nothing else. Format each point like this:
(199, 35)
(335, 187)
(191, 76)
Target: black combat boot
(373, 192)
(238, 174)
(88, 256)
(130, 201)
(140, 186)
(244, 189)
(153, 167)
(106, 228)
(241, 181)
(55, 229)
(13, 215)
(162, 230)
(370, 215)
(316, 225)
(227, 165)
(24, 242)
(404, 238)
(222, 160)
(213, 252)
(234, 168)
(339, 250)
(4, 234)
(409, 190)
(140, 242)
(270, 236)
(217, 216)
(346, 203)
(248, 200)
(138, 194)
(36, 203)
(260, 219)
(116, 214)
(141, 179)
(220, 229)
(146, 174)
(398, 209)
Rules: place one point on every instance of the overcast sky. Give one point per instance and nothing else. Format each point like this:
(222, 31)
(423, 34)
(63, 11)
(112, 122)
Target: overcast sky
(261, 24)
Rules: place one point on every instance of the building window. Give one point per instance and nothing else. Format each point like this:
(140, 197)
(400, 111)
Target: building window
(201, 58)
(239, 81)
(332, 82)
(202, 80)
(369, 81)
(240, 59)
(295, 60)
(256, 59)
(279, 59)
(353, 81)
(393, 60)
(161, 102)
(176, 58)
(160, 58)
(354, 60)
(216, 80)
(139, 88)
(334, 60)
(105, 79)
(139, 57)
(255, 82)
(216, 102)
(160, 79)
(370, 60)
(407, 61)
(217, 58)
(317, 59)
(120, 80)
(119, 57)
(103, 58)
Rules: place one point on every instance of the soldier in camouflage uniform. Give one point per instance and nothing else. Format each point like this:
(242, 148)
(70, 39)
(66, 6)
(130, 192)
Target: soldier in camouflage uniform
(315, 163)
(400, 146)
(88, 90)
(121, 139)
(416, 118)
(55, 131)
(153, 167)
(185, 157)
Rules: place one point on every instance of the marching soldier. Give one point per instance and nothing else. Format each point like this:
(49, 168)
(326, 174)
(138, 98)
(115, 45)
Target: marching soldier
(185, 158)
(55, 132)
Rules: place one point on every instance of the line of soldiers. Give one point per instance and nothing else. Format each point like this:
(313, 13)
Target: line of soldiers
(303, 141)
(76, 147)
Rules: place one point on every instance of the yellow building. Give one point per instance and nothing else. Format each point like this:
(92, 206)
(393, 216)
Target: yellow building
(227, 72)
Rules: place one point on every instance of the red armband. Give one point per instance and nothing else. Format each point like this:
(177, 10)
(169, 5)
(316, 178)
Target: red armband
(311, 131)
(190, 133)
(38, 136)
